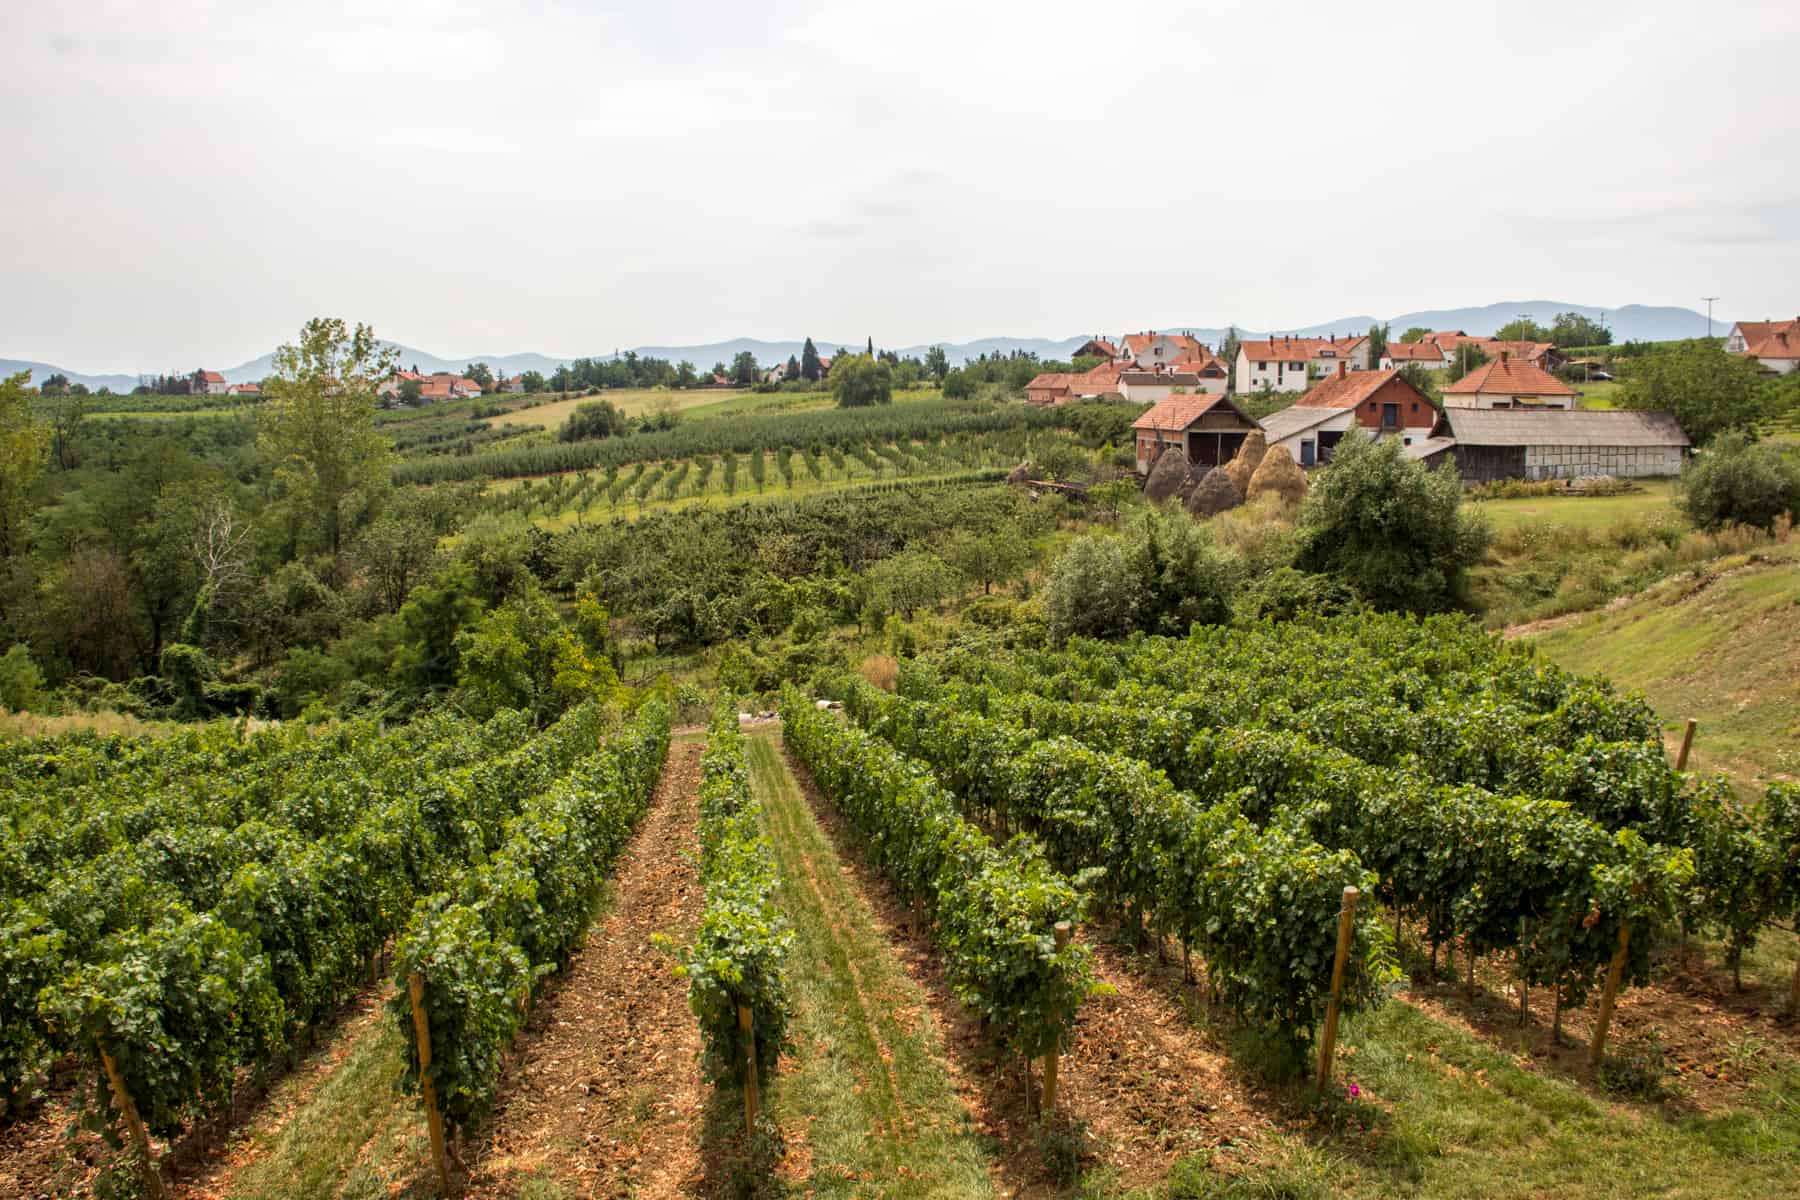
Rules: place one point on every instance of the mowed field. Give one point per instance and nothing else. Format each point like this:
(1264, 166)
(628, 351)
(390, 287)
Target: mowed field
(1655, 499)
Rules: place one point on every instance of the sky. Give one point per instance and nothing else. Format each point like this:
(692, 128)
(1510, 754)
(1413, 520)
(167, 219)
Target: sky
(190, 180)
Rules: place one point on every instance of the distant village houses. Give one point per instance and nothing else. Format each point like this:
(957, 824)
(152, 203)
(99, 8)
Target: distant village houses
(1290, 364)
(1507, 382)
(436, 388)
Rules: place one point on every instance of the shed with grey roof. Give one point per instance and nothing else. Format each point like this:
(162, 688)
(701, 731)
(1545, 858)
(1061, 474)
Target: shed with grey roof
(1491, 444)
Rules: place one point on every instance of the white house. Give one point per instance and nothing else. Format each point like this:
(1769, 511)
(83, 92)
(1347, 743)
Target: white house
(1151, 387)
(1405, 354)
(1508, 383)
(1152, 350)
(1288, 364)
(210, 383)
(1775, 345)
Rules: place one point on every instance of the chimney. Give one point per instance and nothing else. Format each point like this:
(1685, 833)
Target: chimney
(1503, 355)
(1340, 369)
(1334, 339)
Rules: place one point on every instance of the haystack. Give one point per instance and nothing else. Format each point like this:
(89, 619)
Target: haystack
(1278, 475)
(1243, 464)
(1019, 474)
(1215, 494)
(1167, 476)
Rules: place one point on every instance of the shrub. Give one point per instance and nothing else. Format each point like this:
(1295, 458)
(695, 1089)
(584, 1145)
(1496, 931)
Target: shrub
(1736, 482)
(1093, 590)
(1390, 527)
(21, 683)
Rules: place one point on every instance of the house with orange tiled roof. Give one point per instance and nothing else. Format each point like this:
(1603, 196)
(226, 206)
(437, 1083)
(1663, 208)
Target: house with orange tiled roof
(1507, 382)
(1382, 402)
(209, 383)
(1290, 364)
(244, 389)
(1421, 353)
(1775, 345)
(1151, 349)
(1207, 429)
(1049, 388)
(1096, 347)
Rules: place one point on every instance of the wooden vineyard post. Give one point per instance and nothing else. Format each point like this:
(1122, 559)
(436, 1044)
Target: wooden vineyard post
(115, 1078)
(1051, 1058)
(1794, 993)
(1328, 1041)
(1687, 743)
(751, 1097)
(1614, 974)
(434, 1120)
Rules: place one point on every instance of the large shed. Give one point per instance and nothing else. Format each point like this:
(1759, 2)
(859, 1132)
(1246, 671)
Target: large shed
(1490, 444)
(1208, 429)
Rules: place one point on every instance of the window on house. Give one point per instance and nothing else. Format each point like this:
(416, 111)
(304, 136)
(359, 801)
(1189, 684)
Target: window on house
(1262, 366)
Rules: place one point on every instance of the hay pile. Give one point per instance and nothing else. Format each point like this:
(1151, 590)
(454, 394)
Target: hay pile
(1278, 475)
(1214, 495)
(1167, 477)
(1019, 474)
(1243, 464)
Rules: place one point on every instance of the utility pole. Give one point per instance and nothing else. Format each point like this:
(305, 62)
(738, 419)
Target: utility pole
(1709, 303)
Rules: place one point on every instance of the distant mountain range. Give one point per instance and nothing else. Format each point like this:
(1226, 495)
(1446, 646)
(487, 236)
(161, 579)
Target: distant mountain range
(1633, 322)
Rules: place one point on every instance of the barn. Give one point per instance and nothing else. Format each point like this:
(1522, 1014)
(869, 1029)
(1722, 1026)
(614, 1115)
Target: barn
(1207, 428)
(1490, 444)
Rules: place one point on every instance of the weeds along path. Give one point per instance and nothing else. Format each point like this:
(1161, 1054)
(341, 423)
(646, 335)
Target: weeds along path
(606, 1096)
(867, 1102)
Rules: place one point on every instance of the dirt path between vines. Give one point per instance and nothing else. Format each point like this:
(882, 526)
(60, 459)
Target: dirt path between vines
(606, 1097)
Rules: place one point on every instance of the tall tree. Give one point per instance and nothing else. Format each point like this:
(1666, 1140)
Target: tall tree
(24, 449)
(1573, 329)
(937, 362)
(481, 374)
(858, 381)
(1415, 334)
(1378, 343)
(1709, 391)
(1523, 330)
(318, 434)
(743, 368)
(793, 369)
(810, 367)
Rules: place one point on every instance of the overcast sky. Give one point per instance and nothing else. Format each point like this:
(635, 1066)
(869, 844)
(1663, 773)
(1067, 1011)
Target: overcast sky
(190, 180)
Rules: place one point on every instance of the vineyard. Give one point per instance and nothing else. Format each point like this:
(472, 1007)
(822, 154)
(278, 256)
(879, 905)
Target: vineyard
(1228, 787)
(185, 916)
(809, 435)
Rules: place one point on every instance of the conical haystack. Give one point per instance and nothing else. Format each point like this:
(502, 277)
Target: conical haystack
(1243, 464)
(1215, 494)
(1278, 475)
(1167, 476)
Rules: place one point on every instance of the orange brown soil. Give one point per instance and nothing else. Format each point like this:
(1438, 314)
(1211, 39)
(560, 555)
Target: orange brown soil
(1145, 1082)
(606, 1096)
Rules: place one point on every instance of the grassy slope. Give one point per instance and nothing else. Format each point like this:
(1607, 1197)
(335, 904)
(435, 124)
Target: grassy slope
(1582, 512)
(1721, 648)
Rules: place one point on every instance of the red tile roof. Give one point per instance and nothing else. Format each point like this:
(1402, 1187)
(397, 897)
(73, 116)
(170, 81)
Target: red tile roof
(1415, 352)
(1346, 390)
(211, 377)
(1294, 349)
(1049, 379)
(1507, 376)
(1771, 339)
(1099, 346)
(1176, 413)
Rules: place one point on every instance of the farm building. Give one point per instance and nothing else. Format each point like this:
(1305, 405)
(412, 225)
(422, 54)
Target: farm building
(1426, 354)
(1490, 444)
(1049, 388)
(1208, 430)
(1150, 387)
(1508, 382)
(1382, 402)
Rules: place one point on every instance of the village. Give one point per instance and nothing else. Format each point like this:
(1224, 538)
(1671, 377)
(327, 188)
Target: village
(1508, 414)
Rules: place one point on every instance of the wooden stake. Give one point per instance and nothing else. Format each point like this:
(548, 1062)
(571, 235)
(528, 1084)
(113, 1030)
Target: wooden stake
(434, 1119)
(1614, 974)
(1050, 1059)
(1346, 926)
(752, 1095)
(1687, 743)
(153, 1180)
(1794, 993)
(1556, 1010)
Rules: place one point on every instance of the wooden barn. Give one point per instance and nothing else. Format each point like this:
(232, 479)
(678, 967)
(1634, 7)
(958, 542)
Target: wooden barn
(1207, 428)
(1491, 444)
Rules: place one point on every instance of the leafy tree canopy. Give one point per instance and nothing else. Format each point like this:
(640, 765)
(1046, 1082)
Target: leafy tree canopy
(1708, 390)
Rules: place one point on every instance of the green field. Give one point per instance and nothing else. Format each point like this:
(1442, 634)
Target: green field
(1719, 645)
(1654, 501)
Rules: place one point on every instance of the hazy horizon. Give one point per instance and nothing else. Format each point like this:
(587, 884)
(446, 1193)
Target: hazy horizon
(195, 179)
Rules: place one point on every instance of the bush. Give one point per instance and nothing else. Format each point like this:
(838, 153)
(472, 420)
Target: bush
(21, 683)
(597, 420)
(858, 381)
(1390, 527)
(1094, 590)
(1736, 482)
